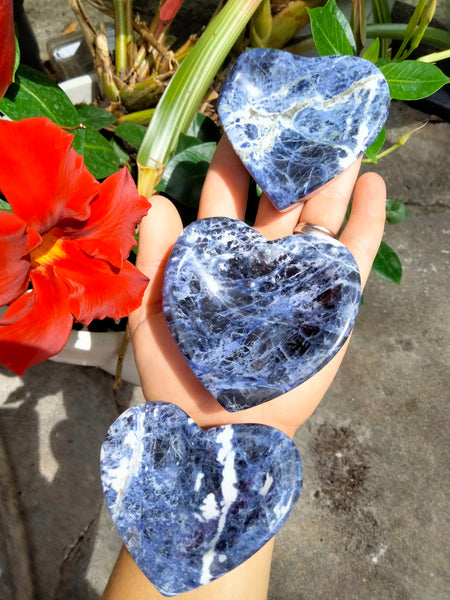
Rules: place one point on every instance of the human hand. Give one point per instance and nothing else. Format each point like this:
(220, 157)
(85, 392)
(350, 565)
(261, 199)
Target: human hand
(165, 376)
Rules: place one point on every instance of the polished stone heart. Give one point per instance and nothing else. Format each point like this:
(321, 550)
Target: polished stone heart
(297, 122)
(192, 504)
(255, 318)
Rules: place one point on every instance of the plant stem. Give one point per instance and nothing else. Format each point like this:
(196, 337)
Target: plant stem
(120, 358)
(401, 142)
(290, 20)
(425, 19)
(438, 38)
(435, 56)
(381, 16)
(143, 117)
(129, 32)
(129, 20)
(381, 12)
(104, 68)
(261, 25)
(411, 27)
(182, 97)
(121, 35)
(145, 93)
(358, 24)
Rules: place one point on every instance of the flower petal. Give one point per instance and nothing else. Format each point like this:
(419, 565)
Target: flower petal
(16, 241)
(8, 48)
(36, 326)
(115, 212)
(96, 289)
(42, 177)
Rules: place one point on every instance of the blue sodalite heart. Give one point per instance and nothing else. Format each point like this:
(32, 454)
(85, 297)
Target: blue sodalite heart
(255, 318)
(189, 504)
(297, 122)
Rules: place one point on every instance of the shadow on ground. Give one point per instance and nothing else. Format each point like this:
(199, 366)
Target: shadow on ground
(52, 422)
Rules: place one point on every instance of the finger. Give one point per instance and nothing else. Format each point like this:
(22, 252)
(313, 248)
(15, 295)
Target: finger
(225, 190)
(363, 233)
(274, 224)
(158, 232)
(327, 207)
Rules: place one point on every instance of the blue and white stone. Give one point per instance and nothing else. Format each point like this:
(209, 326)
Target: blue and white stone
(255, 318)
(297, 122)
(192, 504)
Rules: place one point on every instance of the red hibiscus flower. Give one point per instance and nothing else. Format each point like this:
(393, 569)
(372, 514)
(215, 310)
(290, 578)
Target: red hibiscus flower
(8, 45)
(64, 246)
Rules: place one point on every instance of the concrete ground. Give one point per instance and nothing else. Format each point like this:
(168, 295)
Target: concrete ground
(372, 522)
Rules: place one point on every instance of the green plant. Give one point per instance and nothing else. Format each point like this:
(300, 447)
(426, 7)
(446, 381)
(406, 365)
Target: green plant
(187, 87)
(166, 150)
(135, 77)
(151, 124)
(274, 24)
(407, 79)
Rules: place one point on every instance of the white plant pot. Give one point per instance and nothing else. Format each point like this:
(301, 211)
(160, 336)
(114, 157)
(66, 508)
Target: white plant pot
(81, 90)
(99, 349)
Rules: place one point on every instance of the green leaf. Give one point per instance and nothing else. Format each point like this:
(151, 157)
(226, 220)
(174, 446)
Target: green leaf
(78, 141)
(185, 173)
(372, 53)
(412, 80)
(99, 156)
(34, 95)
(132, 133)
(203, 128)
(94, 117)
(376, 146)
(387, 264)
(122, 154)
(396, 211)
(4, 206)
(331, 31)
(187, 87)
(186, 141)
(17, 59)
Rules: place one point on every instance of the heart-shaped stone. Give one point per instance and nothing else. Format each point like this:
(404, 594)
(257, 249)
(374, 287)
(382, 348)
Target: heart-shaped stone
(297, 122)
(255, 318)
(192, 504)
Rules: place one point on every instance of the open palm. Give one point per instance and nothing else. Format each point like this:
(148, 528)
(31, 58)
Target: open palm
(164, 373)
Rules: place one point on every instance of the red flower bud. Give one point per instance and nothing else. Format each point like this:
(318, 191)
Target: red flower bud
(167, 13)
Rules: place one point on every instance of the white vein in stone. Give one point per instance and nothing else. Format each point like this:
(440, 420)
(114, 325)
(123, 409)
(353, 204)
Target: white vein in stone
(225, 457)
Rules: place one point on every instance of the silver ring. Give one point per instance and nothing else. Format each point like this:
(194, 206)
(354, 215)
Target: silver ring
(307, 227)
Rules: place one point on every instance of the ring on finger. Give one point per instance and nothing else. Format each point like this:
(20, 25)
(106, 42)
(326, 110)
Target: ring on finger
(310, 228)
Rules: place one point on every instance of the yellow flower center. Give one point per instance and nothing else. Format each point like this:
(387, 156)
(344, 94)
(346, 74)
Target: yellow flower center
(49, 250)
